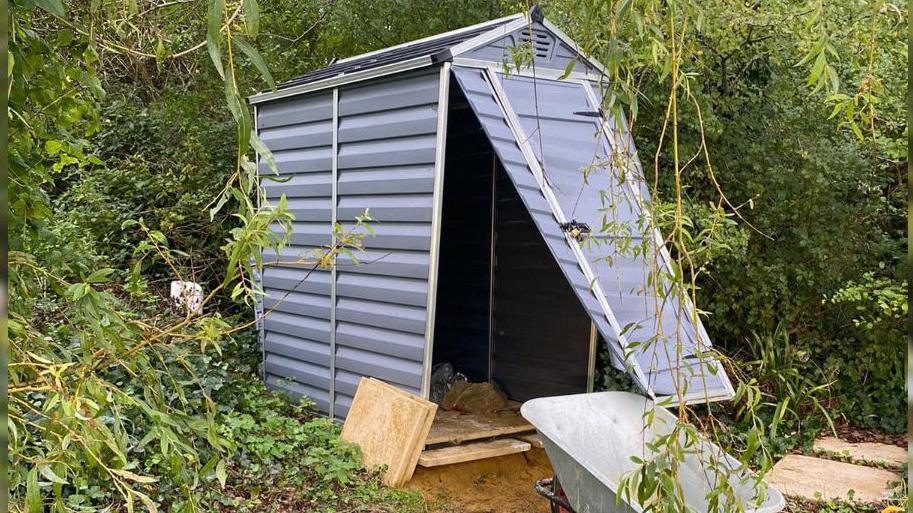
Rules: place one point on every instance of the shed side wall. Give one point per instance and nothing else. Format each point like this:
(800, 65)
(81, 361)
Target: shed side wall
(296, 332)
(386, 162)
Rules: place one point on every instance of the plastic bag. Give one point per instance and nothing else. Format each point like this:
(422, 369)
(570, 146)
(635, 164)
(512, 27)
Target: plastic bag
(442, 379)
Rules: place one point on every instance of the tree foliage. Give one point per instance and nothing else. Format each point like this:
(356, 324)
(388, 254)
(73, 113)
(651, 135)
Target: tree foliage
(795, 111)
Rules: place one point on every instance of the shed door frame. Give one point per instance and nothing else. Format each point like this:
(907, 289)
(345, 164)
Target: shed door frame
(590, 341)
(443, 105)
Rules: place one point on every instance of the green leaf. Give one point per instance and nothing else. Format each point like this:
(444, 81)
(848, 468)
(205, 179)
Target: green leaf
(223, 198)
(53, 147)
(99, 276)
(150, 505)
(64, 37)
(32, 492)
(252, 17)
(568, 69)
(159, 54)
(816, 69)
(49, 474)
(54, 7)
(856, 130)
(214, 33)
(264, 153)
(256, 59)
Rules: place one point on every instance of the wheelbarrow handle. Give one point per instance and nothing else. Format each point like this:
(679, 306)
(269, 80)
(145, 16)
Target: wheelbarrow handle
(544, 488)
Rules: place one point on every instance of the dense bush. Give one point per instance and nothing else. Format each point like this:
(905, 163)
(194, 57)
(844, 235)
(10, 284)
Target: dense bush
(161, 166)
(820, 202)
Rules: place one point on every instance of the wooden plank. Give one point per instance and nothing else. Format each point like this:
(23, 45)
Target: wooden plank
(532, 439)
(455, 427)
(390, 426)
(471, 452)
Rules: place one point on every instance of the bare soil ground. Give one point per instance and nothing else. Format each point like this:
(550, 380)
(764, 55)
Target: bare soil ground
(857, 434)
(502, 485)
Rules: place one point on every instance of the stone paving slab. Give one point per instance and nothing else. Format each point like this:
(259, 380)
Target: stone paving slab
(805, 476)
(863, 452)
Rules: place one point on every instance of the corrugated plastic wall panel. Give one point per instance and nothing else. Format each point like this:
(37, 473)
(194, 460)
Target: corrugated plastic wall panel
(386, 157)
(296, 331)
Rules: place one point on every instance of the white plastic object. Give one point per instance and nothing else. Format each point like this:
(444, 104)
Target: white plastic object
(187, 295)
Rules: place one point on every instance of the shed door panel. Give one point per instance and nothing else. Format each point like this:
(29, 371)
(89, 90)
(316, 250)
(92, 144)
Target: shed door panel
(483, 103)
(556, 118)
(385, 165)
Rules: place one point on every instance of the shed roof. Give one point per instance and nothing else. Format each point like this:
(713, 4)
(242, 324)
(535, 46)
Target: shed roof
(427, 47)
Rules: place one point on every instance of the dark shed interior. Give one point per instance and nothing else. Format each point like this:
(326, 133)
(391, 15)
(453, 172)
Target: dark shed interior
(505, 312)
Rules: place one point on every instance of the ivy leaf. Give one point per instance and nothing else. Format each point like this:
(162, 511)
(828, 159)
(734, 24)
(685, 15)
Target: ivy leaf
(53, 147)
(213, 33)
(256, 59)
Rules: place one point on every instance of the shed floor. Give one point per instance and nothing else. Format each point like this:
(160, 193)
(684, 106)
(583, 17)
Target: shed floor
(452, 427)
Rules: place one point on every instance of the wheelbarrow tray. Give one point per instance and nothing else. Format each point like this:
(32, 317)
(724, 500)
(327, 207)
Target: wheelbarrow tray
(590, 439)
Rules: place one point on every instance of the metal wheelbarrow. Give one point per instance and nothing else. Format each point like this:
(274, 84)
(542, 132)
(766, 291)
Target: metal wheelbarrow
(590, 438)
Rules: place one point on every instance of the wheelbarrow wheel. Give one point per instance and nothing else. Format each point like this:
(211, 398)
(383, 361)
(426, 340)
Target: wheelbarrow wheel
(558, 491)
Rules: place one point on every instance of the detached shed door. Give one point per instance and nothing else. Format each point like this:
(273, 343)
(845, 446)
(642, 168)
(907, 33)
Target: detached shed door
(553, 149)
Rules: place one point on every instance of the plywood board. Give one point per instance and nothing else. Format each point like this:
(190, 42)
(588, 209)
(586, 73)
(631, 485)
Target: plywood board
(455, 427)
(390, 426)
(471, 452)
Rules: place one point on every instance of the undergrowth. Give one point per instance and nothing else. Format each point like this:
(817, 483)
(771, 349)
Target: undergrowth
(284, 456)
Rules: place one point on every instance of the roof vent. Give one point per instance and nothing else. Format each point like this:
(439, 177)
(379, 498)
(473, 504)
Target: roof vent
(542, 42)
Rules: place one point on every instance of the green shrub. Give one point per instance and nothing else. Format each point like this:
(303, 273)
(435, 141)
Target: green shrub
(868, 356)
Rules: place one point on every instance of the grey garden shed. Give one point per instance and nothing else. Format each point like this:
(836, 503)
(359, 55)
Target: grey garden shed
(474, 172)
